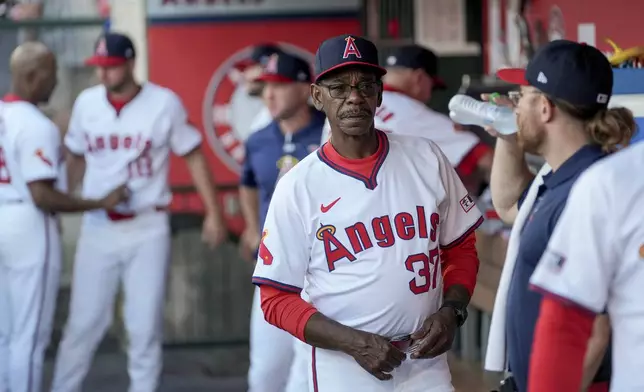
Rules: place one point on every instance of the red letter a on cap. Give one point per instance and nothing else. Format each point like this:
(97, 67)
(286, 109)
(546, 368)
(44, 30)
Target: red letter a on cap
(351, 48)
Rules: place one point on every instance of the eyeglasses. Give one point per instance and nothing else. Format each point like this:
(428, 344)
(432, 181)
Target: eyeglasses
(342, 90)
(515, 96)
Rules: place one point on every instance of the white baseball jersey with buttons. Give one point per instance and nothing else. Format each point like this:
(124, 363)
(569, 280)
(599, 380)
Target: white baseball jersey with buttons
(368, 247)
(30, 149)
(30, 252)
(404, 115)
(132, 146)
(595, 257)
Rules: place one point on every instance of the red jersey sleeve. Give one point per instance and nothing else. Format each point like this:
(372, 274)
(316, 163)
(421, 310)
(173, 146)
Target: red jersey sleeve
(461, 264)
(286, 310)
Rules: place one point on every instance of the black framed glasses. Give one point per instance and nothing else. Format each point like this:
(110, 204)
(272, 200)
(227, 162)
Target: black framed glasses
(342, 90)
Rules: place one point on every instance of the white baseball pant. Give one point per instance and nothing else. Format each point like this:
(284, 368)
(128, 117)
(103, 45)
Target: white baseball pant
(333, 371)
(135, 253)
(30, 264)
(278, 361)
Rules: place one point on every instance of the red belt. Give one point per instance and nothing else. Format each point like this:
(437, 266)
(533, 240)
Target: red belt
(402, 343)
(120, 216)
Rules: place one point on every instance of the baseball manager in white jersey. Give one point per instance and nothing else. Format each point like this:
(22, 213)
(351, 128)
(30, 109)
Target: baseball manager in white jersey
(30, 249)
(123, 131)
(381, 229)
(594, 263)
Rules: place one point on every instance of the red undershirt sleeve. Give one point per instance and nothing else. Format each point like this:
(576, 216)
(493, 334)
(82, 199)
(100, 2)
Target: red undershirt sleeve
(286, 310)
(560, 342)
(470, 161)
(461, 264)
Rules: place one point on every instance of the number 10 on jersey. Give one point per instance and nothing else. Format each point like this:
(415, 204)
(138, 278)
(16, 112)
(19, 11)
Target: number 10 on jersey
(141, 167)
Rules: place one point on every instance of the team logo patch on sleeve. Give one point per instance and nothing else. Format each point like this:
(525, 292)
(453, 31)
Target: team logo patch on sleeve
(40, 154)
(264, 253)
(467, 203)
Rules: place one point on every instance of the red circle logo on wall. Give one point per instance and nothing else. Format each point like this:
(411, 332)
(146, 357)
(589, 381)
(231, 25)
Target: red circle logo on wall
(229, 112)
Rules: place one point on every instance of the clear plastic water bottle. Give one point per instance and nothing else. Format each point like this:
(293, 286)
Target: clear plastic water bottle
(469, 111)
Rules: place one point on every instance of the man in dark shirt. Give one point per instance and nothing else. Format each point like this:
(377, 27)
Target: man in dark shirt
(560, 112)
(294, 133)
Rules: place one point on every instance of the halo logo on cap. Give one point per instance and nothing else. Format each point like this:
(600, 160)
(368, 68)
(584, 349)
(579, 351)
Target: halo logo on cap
(350, 48)
(101, 48)
(271, 65)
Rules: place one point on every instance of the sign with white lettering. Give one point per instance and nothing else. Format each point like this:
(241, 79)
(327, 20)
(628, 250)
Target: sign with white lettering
(183, 8)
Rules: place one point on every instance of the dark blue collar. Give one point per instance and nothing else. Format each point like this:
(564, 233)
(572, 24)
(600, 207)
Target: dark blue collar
(577, 163)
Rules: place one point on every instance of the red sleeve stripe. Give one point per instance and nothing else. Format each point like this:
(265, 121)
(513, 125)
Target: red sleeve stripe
(561, 299)
(462, 238)
(278, 285)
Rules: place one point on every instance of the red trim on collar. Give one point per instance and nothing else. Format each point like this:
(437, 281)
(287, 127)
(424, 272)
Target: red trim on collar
(12, 98)
(119, 104)
(365, 169)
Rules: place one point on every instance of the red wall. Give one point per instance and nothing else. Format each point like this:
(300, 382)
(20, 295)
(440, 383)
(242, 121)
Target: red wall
(184, 56)
(619, 20)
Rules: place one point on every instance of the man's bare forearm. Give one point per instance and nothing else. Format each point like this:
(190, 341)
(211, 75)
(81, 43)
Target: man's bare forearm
(202, 178)
(249, 203)
(597, 346)
(49, 199)
(509, 177)
(457, 293)
(75, 171)
(322, 332)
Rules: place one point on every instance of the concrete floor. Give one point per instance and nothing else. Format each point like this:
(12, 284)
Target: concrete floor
(193, 371)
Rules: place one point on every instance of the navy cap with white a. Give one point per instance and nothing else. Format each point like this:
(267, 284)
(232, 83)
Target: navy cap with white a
(417, 57)
(574, 72)
(346, 50)
(285, 68)
(112, 49)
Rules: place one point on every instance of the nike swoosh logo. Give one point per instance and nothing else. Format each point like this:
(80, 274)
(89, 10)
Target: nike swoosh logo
(326, 208)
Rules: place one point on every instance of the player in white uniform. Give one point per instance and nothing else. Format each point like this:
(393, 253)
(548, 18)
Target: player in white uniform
(381, 228)
(30, 249)
(409, 83)
(594, 262)
(124, 131)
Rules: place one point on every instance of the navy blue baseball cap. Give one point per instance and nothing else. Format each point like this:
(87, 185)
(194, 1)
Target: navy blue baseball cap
(259, 55)
(286, 68)
(346, 50)
(574, 72)
(112, 49)
(417, 57)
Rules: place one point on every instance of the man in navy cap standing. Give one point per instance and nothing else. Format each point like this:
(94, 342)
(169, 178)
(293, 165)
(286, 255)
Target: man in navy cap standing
(251, 69)
(358, 221)
(122, 132)
(270, 153)
(563, 116)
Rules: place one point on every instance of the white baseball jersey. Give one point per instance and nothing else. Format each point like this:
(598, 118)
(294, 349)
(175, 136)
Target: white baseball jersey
(132, 146)
(368, 247)
(30, 150)
(595, 257)
(404, 115)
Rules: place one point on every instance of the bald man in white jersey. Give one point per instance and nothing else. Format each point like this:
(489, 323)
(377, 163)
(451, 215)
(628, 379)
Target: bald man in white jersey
(594, 263)
(30, 248)
(122, 131)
